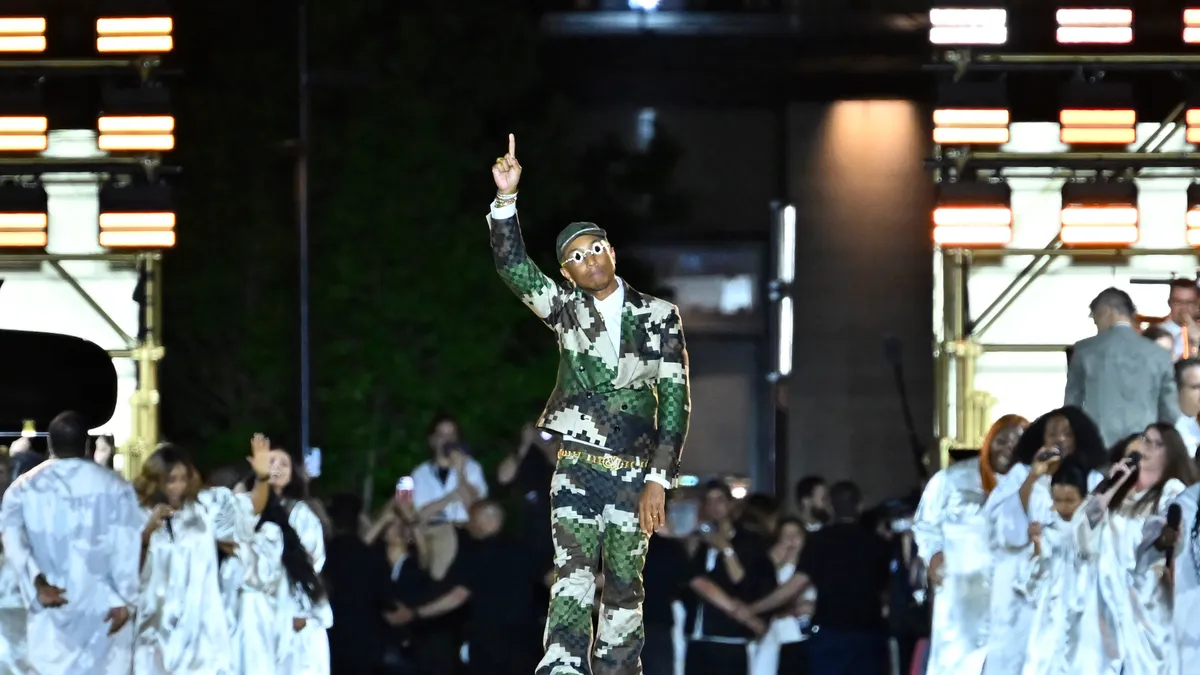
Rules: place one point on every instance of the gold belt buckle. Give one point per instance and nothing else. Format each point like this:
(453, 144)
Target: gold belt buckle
(611, 462)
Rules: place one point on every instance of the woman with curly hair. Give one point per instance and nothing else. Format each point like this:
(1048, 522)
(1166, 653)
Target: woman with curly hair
(951, 536)
(1023, 497)
(181, 625)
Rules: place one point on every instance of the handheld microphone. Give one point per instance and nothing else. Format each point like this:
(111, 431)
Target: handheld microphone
(1133, 459)
(1174, 516)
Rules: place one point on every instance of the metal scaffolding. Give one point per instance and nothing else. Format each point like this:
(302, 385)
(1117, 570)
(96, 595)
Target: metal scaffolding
(963, 413)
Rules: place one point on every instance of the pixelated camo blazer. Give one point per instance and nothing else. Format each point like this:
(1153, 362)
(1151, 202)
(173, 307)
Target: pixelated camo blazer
(635, 403)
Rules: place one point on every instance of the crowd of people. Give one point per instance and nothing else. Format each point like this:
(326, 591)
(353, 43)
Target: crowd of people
(1072, 543)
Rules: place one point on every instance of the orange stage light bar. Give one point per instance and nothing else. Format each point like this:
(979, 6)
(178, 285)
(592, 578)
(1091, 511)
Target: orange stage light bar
(23, 134)
(22, 34)
(1095, 26)
(1099, 214)
(23, 230)
(136, 132)
(1193, 125)
(1191, 26)
(134, 35)
(968, 26)
(137, 229)
(1097, 126)
(982, 126)
(1193, 215)
(973, 215)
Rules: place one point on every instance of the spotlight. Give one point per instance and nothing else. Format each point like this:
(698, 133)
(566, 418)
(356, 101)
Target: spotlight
(1099, 214)
(1193, 215)
(23, 216)
(1095, 25)
(22, 34)
(134, 35)
(23, 125)
(973, 215)
(962, 23)
(971, 114)
(1191, 26)
(1097, 114)
(644, 5)
(136, 216)
(136, 119)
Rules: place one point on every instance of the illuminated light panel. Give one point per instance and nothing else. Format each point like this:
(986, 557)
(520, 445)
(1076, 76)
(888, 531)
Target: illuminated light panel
(1193, 227)
(968, 26)
(954, 126)
(23, 230)
(136, 133)
(1099, 225)
(1191, 26)
(23, 34)
(137, 229)
(23, 134)
(972, 226)
(134, 35)
(1193, 125)
(1097, 127)
(1095, 26)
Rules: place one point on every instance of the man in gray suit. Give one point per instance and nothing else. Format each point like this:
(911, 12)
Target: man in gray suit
(1125, 383)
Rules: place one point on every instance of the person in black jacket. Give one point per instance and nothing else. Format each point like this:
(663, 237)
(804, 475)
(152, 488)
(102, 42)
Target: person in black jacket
(356, 577)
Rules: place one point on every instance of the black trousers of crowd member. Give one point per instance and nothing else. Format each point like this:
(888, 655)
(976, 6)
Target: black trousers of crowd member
(833, 652)
(705, 658)
(658, 654)
(794, 659)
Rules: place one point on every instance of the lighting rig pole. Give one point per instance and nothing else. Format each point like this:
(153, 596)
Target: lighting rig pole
(302, 204)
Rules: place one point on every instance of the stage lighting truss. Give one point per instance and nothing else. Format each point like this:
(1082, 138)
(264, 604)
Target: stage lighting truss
(973, 215)
(22, 34)
(1094, 25)
(134, 35)
(961, 25)
(23, 216)
(1099, 214)
(136, 216)
(136, 120)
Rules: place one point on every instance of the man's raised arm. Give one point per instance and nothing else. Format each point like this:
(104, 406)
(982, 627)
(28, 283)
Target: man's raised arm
(535, 289)
(674, 402)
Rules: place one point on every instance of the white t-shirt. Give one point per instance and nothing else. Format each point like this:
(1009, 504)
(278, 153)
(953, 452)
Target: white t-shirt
(428, 488)
(1189, 428)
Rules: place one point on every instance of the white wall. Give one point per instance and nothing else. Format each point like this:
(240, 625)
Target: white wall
(1054, 309)
(41, 301)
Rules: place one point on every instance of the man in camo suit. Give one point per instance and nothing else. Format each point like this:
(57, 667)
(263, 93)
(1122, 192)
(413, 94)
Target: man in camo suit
(621, 405)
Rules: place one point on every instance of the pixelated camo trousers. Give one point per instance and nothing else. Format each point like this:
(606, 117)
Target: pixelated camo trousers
(594, 519)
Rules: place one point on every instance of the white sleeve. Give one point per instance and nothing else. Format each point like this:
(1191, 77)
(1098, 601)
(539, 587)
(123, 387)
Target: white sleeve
(476, 478)
(16, 542)
(931, 512)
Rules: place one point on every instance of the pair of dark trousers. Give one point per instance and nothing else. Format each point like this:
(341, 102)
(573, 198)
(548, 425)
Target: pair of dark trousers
(658, 654)
(716, 658)
(594, 520)
(833, 652)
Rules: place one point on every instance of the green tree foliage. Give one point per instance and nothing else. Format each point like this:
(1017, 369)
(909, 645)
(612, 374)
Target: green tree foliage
(410, 317)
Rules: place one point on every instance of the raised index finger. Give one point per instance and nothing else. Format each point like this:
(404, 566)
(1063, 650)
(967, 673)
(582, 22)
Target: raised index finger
(512, 145)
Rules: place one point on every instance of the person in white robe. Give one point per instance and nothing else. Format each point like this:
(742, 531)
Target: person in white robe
(1186, 582)
(71, 531)
(1058, 581)
(1022, 496)
(182, 628)
(951, 533)
(12, 606)
(304, 610)
(1122, 528)
(253, 578)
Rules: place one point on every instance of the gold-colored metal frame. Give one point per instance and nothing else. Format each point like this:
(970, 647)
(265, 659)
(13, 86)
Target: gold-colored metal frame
(147, 353)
